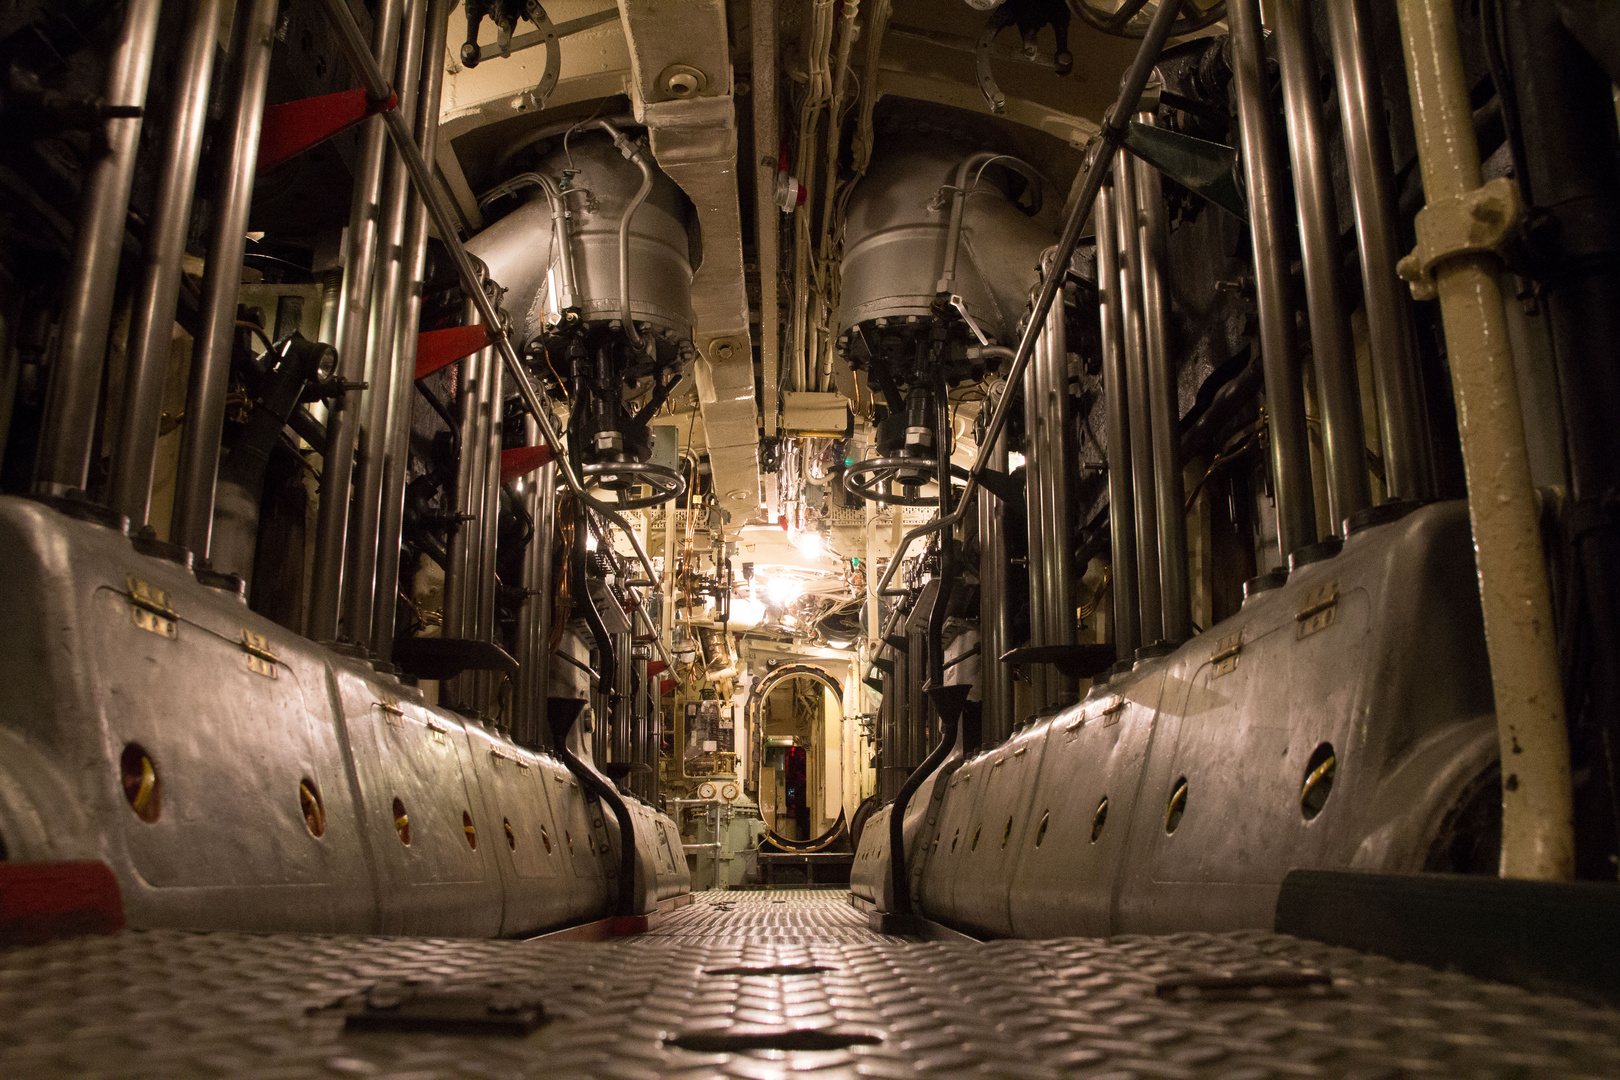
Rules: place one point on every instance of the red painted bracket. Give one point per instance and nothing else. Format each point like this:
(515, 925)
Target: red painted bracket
(291, 128)
(437, 349)
(522, 461)
(667, 687)
(41, 901)
(656, 667)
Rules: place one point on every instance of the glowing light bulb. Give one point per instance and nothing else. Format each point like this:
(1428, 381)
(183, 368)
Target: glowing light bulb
(809, 544)
(783, 590)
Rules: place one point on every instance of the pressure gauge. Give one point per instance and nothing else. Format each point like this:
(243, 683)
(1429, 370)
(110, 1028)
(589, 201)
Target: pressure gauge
(728, 792)
(706, 790)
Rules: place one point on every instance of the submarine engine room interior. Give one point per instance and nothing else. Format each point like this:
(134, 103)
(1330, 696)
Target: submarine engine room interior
(749, 538)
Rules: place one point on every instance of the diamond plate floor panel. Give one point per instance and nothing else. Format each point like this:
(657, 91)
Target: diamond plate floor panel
(176, 1005)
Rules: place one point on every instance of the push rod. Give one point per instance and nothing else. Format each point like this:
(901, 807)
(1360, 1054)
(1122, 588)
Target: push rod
(193, 522)
(151, 330)
(1114, 128)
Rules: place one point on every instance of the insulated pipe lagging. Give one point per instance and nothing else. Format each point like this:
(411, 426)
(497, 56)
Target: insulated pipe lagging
(1537, 802)
(632, 153)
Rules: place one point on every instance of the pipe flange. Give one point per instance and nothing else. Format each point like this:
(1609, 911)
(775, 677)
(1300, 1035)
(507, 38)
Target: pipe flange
(682, 81)
(620, 476)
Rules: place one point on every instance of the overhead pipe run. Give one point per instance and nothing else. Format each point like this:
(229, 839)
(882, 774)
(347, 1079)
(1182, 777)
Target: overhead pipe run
(1459, 231)
(1338, 393)
(1285, 392)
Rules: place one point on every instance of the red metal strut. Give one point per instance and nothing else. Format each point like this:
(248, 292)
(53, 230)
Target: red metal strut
(436, 349)
(523, 461)
(293, 127)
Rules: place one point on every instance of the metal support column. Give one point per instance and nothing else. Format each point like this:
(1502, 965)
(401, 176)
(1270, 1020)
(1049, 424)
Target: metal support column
(1402, 415)
(384, 375)
(1149, 588)
(1050, 470)
(1338, 393)
(343, 425)
(1164, 405)
(151, 330)
(253, 37)
(1121, 499)
(461, 575)
(1035, 515)
(1285, 391)
(489, 522)
(996, 690)
(409, 324)
(69, 425)
(1537, 831)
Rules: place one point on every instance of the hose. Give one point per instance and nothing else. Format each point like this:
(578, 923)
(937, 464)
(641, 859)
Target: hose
(631, 152)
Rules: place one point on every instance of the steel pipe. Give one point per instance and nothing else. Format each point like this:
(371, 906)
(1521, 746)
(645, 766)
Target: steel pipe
(535, 615)
(1037, 562)
(995, 690)
(461, 575)
(1285, 391)
(767, 218)
(1537, 808)
(359, 263)
(253, 37)
(1164, 404)
(1139, 403)
(1111, 139)
(444, 222)
(494, 402)
(634, 154)
(1338, 394)
(151, 330)
(1121, 497)
(1055, 448)
(69, 425)
(382, 357)
(405, 334)
(1402, 415)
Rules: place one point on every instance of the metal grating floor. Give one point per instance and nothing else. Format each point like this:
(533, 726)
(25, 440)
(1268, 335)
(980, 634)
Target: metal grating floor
(173, 1005)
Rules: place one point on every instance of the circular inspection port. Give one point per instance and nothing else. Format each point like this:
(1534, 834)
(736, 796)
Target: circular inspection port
(511, 837)
(309, 801)
(1177, 806)
(402, 822)
(469, 830)
(1318, 783)
(569, 837)
(974, 846)
(1099, 819)
(545, 839)
(955, 838)
(1006, 834)
(143, 788)
(1040, 831)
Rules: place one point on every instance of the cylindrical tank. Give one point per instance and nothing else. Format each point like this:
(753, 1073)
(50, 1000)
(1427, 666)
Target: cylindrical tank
(895, 238)
(597, 185)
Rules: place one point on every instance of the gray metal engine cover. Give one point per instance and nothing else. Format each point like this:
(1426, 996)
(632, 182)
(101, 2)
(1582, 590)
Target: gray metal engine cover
(104, 648)
(1378, 652)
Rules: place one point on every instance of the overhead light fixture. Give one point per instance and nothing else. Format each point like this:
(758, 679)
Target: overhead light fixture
(783, 590)
(746, 611)
(809, 545)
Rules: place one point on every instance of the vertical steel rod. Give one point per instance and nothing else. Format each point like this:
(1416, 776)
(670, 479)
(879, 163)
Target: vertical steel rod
(996, 688)
(1164, 405)
(1056, 447)
(1149, 586)
(1040, 535)
(1338, 392)
(151, 331)
(1121, 499)
(1285, 391)
(410, 318)
(382, 357)
(489, 524)
(461, 575)
(69, 426)
(253, 37)
(768, 219)
(343, 425)
(1402, 415)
